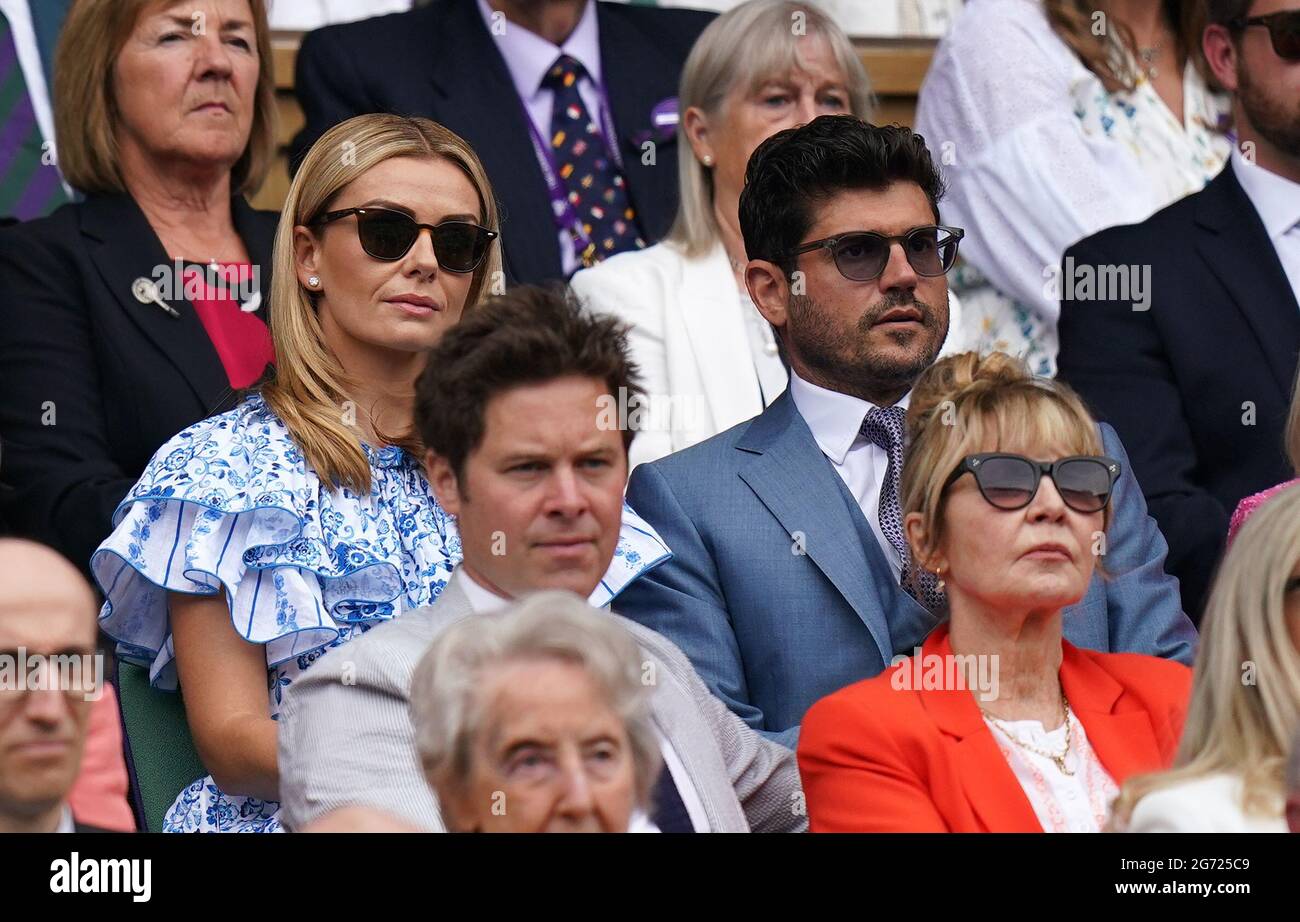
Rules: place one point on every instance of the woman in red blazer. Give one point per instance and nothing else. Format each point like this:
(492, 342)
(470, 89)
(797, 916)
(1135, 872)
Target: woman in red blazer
(997, 724)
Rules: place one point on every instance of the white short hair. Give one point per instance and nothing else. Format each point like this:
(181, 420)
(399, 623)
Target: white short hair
(445, 707)
(744, 46)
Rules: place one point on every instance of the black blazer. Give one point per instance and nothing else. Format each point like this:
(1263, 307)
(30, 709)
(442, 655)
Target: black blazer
(92, 382)
(440, 62)
(1198, 386)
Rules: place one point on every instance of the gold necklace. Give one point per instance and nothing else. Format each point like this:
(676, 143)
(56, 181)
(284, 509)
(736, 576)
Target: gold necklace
(1058, 758)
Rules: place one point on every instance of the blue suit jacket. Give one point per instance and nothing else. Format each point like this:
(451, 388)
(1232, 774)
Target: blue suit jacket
(779, 593)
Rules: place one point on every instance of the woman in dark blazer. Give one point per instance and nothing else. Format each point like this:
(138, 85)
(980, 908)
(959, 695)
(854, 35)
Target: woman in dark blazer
(113, 336)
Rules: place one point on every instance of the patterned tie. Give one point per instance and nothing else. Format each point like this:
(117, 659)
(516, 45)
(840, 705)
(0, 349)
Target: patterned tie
(28, 187)
(597, 191)
(884, 427)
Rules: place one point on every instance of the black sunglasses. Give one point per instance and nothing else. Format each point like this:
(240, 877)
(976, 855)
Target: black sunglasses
(389, 235)
(1011, 481)
(863, 255)
(1283, 29)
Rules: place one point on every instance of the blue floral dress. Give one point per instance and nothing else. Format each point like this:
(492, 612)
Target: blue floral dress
(230, 504)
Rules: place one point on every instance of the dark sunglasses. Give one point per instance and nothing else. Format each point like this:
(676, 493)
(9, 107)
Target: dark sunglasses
(1011, 481)
(389, 235)
(1283, 30)
(862, 255)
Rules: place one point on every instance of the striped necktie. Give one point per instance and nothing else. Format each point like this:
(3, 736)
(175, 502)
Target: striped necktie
(29, 188)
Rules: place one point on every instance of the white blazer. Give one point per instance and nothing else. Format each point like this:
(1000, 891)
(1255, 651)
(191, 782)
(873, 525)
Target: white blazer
(689, 340)
(1209, 804)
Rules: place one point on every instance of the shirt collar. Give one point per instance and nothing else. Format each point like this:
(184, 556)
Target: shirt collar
(66, 822)
(834, 418)
(481, 599)
(528, 56)
(1276, 198)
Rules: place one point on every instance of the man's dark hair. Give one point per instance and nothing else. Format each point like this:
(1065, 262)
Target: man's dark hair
(529, 335)
(1223, 12)
(795, 169)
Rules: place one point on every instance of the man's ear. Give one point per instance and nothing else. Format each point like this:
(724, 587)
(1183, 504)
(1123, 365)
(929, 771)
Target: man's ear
(769, 290)
(1221, 54)
(443, 481)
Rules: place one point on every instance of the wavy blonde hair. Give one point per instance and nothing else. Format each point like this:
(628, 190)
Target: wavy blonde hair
(1111, 55)
(743, 47)
(310, 385)
(85, 107)
(1235, 726)
(966, 404)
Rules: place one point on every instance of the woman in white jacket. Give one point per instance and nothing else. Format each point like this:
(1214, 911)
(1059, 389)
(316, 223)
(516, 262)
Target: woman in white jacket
(708, 359)
(1229, 773)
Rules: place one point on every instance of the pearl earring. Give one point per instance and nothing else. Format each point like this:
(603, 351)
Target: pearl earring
(313, 281)
(939, 574)
(707, 160)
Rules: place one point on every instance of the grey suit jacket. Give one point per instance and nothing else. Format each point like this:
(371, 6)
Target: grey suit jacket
(346, 738)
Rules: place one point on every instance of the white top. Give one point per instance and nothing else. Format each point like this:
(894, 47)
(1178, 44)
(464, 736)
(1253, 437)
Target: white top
(1063, 803)
(528, 57)
(1039, 155)
(312, 14)
(763, 350)
(1208, 804)
(1277, 199)
(836, 420)
(483, 600)
(29, 60)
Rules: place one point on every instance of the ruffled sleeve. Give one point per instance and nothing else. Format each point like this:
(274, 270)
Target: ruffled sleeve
(229, 504)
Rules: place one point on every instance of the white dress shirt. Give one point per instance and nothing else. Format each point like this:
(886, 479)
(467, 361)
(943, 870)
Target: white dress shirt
(483, 600)
(836, 420)
(66, 822)
(528, 57)
(1277, 199)
(312, 14)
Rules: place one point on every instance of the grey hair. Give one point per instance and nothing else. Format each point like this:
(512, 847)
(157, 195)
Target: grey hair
(744, 47)
(447, 712)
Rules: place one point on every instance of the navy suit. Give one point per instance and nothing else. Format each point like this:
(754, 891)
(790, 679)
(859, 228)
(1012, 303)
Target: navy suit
(440, 62)
(1198, 384)
(779, 593)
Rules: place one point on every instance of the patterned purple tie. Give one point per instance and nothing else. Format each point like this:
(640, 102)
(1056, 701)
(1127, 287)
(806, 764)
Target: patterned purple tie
(29, 188)
(884, 427)
(597, 191)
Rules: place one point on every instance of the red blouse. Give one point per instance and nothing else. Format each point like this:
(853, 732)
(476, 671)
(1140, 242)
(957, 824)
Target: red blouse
(241, 338)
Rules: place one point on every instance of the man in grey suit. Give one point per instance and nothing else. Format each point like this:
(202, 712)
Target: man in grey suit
(790, 572)
(515, 410)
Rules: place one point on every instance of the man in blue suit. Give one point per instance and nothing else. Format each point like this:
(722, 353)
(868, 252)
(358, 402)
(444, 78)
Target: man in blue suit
(787, 550)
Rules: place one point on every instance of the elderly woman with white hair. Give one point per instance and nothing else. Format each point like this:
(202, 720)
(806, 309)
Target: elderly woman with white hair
(708, 358)
(536, 719)
(1230, 772)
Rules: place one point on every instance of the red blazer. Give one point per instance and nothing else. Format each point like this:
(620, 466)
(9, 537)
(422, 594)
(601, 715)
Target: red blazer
(879, 759)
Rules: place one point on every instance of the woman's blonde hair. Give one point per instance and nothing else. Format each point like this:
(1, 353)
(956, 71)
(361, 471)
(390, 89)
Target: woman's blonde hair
(85, 107)
(1111, 52)
(746, 46)
(965, 404)
(1245, 700)
(310, 387)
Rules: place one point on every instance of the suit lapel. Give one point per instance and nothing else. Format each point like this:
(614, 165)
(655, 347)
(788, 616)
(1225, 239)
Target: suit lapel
(124, 248)
(470, 78)
(793, 479)
(711, 311)
(989, 783)
(1124, 741)
(1237, 249)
